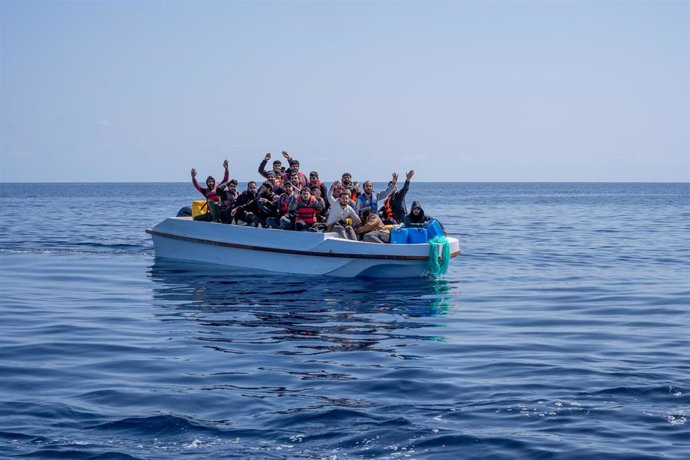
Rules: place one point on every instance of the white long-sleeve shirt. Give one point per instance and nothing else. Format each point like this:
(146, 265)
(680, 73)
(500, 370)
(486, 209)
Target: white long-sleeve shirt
(338, 212)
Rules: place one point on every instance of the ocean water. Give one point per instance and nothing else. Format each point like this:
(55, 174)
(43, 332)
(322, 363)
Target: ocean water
(562, 331)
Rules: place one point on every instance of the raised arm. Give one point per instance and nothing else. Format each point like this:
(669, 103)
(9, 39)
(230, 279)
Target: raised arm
(201, 190)
(226, 174)
(262, 165)
(359, 204)
(380, 196)
(329, 195)
(406, 187)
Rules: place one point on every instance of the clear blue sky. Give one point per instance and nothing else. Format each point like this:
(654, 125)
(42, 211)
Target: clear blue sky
(458, 91)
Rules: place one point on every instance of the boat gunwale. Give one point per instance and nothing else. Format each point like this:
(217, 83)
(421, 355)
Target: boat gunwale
(288, 251)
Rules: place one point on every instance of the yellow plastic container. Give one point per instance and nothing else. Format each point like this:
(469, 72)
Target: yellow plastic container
(391, 227)
(199, 207)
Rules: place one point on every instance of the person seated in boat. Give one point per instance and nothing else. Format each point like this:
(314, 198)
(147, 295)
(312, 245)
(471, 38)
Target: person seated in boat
(316, 193)
(393, 210)
(211, 194)
(284, 219)
(263, 205)
(275, 182)
(315, 182)
(370, 199)
(228, 195)
(341, 215)
(372, 229)
(278, 168)
(305, 207)
(239, 210)
(416, 217)
(294, 169)
(294, 178)
(347, 184)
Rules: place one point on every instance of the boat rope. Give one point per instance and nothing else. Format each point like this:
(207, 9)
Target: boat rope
(439, 255)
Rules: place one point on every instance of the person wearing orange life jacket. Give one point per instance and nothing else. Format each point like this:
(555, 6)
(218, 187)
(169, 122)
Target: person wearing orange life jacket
(278, 168)
(394, 209)
(277, 183)
(294, 178)
(306, 207)
(211, 193)
(284, 219)
(369, 198)
(294, 169)
(347, 184)
(315, 182)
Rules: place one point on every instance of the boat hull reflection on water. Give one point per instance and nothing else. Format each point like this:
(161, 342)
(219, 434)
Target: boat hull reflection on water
(310, 253)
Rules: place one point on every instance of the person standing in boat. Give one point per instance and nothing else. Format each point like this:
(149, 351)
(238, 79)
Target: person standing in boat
(306, 207)
(211, 194)
(284, 220)
(394, 209)
(278, 168)
(341, 216)
(369, 198)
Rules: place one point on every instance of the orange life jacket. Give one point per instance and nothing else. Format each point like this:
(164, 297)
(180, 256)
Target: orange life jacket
(284, 203)
(388, 210)
(306, 211)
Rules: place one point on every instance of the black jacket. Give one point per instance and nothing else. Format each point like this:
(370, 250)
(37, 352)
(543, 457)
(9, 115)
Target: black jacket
(416, 221)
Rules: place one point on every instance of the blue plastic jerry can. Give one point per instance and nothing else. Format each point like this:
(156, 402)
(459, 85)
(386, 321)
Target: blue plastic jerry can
(416, 235)
(434, 229)
(399, 235)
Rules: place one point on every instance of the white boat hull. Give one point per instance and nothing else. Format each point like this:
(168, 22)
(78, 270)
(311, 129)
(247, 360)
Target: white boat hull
(309, 253)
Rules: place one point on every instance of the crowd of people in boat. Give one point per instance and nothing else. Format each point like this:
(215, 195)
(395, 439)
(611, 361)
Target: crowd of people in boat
(288, 199)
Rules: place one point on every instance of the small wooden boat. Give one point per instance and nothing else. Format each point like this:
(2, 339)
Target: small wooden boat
(309, 253)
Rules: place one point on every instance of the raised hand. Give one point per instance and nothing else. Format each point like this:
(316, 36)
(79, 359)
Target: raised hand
(193, 172)
(410, 173)
(395, 177)
(286, 155)
(226, 165)
(268, 156)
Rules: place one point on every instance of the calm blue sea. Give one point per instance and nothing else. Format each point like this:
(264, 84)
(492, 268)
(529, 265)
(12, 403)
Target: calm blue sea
(563, 331)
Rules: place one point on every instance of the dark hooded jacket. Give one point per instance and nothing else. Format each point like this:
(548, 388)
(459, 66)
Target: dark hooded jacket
(416, 221)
